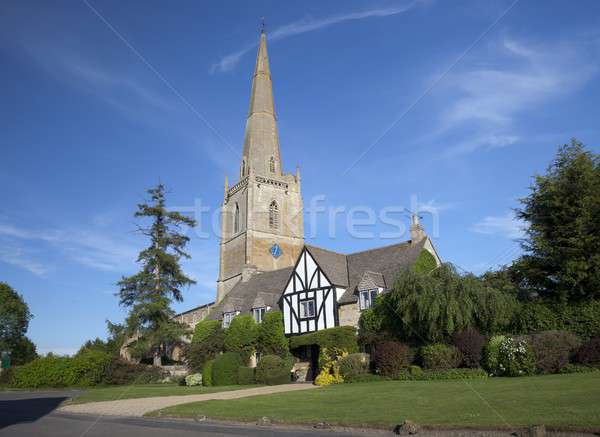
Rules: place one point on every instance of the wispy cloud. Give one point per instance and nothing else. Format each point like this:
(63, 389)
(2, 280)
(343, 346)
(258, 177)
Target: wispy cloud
(19, 257)
(491, 99)
(228, 62)
(507, 226)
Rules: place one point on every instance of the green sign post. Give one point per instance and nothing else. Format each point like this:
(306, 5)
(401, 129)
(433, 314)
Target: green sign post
(5, 360)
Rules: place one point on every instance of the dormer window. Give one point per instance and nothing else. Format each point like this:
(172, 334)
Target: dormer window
(228, 317)
(367, 298)
(259, 314)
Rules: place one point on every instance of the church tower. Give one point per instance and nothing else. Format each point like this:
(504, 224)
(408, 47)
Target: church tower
(261, 216)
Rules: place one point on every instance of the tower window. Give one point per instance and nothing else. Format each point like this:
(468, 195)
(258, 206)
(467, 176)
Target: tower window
(273, 215)
(243, 168)
(272, 165)
(236, 219)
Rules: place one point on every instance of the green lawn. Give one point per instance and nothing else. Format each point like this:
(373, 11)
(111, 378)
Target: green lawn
(562, 401)
(144, 391)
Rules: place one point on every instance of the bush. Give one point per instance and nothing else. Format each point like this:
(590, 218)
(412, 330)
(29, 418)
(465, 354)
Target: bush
(207, 373)
(470, 343)
(271, 336)
(589, 353)
(415, 371)
(246, 376)
(193, 379)
(491, 352)
(368, 377)
(354, 365)
(433, 375)
(90, 367)
(515, 358)
(392, 357)
(225, 368)
(50, 371)
(120, 372)
(329, 364)
(340, 337)
(6, 376)
(206, 344)
(440, 357)
(578, 368)
(241, 336)
(273, 370)
(552, 349)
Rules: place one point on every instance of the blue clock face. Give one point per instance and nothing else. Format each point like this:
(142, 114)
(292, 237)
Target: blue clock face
(275, 251)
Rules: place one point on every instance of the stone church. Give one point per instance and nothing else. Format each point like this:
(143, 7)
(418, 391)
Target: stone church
(264, 262)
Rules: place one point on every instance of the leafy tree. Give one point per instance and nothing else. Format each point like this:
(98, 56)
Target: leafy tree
(430, 307)
(149, 293)
(271, 336)
(241, 336)
(562, 262)
(206, 344)
(14, 317)
(23, 352)
(425, 262)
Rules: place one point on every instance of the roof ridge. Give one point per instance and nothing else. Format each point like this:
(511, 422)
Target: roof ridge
(325, 250)
(407, 242)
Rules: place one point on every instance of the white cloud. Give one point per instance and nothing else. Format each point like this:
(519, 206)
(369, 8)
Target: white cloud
(491, 99)
(228, 62)
(21, 258)
(506, 225)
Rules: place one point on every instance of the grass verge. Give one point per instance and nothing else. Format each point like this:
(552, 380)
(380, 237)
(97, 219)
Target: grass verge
(558, 401)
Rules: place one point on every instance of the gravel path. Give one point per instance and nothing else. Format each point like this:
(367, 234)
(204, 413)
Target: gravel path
(141, 406)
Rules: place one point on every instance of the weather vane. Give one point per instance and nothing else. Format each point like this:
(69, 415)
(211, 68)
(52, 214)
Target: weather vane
(262, 24)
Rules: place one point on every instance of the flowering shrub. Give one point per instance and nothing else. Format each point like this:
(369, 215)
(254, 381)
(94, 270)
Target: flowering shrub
(491, 353)
(515, 358)
(329, 362)
(193, 379)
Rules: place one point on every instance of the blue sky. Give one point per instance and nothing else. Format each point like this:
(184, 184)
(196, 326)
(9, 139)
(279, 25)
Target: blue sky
(456, 104)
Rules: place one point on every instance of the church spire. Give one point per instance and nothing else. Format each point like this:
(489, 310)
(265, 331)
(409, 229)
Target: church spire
(261, 141)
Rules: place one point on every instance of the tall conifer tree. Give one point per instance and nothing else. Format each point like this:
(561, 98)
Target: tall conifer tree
(149, 293)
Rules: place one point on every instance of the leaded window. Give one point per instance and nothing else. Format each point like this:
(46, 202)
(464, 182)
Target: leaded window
(367, 298)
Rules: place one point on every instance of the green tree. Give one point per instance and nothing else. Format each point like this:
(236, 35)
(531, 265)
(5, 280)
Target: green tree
(206, 344)
(149, 293)
(241, 336)
(271, 336)
(14, 317)
(23, 352)
(562, 244)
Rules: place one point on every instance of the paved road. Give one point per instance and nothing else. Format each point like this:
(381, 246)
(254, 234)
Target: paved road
(34, 414)
(141, 406)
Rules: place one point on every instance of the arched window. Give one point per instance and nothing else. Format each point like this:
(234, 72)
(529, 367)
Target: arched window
(272, 165)
(273, 215)
(236, 219)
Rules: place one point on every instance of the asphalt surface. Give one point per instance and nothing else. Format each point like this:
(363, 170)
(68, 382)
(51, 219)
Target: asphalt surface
(33, 414)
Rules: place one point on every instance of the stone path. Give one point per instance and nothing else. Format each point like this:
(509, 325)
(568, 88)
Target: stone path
(141, 406)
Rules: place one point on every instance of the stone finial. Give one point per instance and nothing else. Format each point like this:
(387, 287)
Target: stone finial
(417, 233)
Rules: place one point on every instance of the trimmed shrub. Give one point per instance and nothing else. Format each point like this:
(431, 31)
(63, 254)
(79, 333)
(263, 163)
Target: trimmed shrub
(225, 368)
(121, 372)
(589, 353)
(470, 343)
(206, 344)
(241, 336)
(392, 357)
(552, 349)
(50, 371)
(207, 373)
(368, 377)
(273, 370)
(354, 365)
(491, 352)
(271, 336)
(341, 337)
(193, 379)
(578, 368)
(90, 367)
(440, 356)
(246, 376)
(515, 358)
(415, 371)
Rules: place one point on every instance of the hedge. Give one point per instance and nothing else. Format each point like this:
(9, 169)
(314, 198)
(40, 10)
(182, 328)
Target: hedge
(582, 318)
(415, 373)
(341, 337)
(241, 336)
(225, 368)
(273, 370)
(246, 375)
(207, 373)
(440, 356)
(271, 336)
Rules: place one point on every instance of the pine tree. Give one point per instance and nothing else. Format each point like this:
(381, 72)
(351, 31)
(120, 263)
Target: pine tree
(562, 262)
(149, 293)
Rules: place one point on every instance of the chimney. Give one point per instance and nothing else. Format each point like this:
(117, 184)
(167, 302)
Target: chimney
(417, 233)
